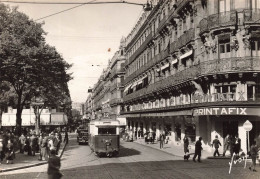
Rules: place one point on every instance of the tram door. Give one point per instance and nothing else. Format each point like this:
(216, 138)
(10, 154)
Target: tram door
(230, 127)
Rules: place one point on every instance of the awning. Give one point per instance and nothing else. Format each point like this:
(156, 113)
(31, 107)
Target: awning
(186, 54)
(140, 80)
(126, 89)
(174, 61)
(165, 66)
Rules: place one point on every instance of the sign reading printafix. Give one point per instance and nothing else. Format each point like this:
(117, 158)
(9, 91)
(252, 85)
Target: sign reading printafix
(226, 111)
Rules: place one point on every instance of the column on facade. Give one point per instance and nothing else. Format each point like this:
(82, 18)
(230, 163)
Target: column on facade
(182, 128)
(173, 133)
(242, 135)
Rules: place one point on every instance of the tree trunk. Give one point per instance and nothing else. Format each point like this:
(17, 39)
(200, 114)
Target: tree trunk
(19, 116)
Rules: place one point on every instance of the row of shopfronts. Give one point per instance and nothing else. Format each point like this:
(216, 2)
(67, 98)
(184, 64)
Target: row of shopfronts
(49, 119)
(204, 122)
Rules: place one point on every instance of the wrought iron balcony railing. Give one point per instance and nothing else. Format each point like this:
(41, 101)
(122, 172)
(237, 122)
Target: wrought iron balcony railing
(212, 67)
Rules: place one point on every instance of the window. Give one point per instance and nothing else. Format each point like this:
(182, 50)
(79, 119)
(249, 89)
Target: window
(250, 92)
(255, 4)
(255, 47)
(109, 131)
(224, 5)
(224, 48)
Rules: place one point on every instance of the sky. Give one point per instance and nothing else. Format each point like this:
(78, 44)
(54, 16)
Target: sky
(83, 35)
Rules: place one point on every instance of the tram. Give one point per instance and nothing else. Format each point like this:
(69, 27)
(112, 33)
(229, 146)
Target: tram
(104, 137)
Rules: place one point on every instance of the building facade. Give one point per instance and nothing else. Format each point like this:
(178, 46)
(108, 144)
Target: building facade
(192, 68)
(107, 94)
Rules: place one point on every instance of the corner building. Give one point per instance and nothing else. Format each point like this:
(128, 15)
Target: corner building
(192, 69)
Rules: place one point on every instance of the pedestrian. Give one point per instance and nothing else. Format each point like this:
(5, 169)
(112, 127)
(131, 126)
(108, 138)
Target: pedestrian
(237, 145)
(22, 143)
(66, 138)
(232, 144)
(150, 137)
(40, 140)
(254, 151)
(10, 152)
(226, 145)
(1, 151)
(33, 143)
(56, 143)
(54, 165)
(216, 143)
(161, 138)
(198, 149)
(186, 147)
(154, 135)
(28, 146)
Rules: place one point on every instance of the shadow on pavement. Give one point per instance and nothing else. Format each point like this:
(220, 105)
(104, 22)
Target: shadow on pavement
(125, 152)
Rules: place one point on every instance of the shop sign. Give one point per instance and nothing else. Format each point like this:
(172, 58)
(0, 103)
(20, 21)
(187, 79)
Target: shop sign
(248, 125)
(225, 111)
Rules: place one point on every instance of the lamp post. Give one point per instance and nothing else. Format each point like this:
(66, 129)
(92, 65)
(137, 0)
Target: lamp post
(37, 105)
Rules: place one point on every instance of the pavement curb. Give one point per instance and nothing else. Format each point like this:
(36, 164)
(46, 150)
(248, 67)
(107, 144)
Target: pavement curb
(31, 165)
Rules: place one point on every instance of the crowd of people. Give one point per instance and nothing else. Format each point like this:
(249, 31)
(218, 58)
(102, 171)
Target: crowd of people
(29, 143)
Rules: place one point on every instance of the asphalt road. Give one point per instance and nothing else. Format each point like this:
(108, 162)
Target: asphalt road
(134, 161)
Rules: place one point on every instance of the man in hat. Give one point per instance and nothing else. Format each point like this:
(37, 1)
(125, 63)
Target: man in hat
(198, 150)
(216, 145)
(54, 166)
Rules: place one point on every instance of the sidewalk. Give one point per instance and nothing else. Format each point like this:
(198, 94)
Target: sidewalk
(176, 150)
(24, 161)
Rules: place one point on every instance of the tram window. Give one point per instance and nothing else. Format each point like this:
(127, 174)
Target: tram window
(106, 130)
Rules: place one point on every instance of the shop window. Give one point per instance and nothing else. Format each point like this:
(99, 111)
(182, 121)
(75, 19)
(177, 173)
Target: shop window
(177, 132)
(168, 129)
(255, 47)
(250, 92)
(233, 89)
(190, 132)
(225, 89)
(217, 89)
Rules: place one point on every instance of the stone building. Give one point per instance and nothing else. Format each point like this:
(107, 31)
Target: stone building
(107, 95)
(192, 68)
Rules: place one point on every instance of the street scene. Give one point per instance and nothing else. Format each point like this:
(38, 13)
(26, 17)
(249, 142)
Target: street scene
(130, 89)
(134, 161)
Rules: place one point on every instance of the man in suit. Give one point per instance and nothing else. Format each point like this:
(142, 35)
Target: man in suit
(54, 166)
(198, 149)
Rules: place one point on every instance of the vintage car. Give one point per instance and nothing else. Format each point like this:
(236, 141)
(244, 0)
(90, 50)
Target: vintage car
(82, 136)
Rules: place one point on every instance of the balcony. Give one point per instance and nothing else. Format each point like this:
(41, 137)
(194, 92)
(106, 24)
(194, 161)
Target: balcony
(252, 16)
(115, 101)
(140, 49)
(223, 19)
(186, 38)
(203, 25)
(220, 66)
(162, 23)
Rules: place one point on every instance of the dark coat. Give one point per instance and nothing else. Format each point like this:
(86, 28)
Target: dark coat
(216, 143)
(186, 145)
(53, 165)
(198, 147)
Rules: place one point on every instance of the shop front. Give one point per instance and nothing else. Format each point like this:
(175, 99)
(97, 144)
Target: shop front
(223, 121)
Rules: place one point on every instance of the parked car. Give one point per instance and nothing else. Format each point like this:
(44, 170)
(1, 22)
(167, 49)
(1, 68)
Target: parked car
(82, 136)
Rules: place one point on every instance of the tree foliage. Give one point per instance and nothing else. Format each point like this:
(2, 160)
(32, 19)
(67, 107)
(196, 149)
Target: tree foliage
(32, 67)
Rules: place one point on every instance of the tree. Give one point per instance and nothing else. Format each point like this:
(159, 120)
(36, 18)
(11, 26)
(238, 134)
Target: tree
(32, 67)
